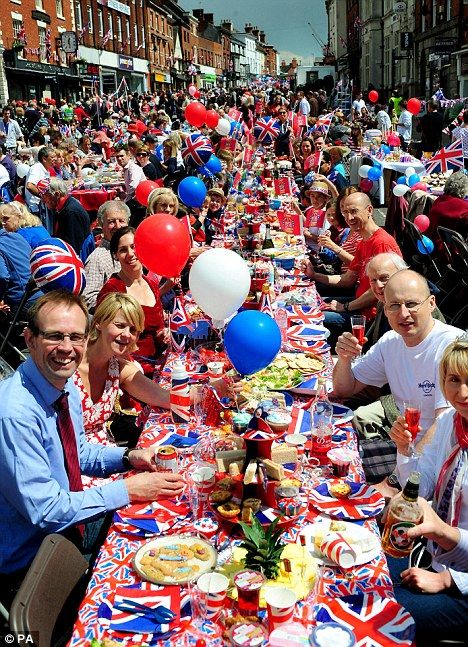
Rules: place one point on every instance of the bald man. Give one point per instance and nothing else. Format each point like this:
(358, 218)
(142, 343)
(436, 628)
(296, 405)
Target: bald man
(406, 358)
(357, 211)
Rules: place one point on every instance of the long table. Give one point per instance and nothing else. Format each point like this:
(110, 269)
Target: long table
(114, 565)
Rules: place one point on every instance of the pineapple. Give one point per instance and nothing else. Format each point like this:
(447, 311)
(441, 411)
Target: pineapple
(263, 548)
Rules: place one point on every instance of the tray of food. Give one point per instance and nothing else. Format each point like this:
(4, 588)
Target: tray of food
(174, 559)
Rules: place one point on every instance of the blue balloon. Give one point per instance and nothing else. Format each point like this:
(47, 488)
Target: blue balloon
(192, 191)
(159, 152)
(275, 204)
(386, 149)
(214, 164)
(374, 174)
(425, 246)
(205, 171)
(252, 340)
(401, 180)
(55, 265)
(413, 179)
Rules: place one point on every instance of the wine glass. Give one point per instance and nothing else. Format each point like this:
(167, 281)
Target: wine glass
(358, 326)
(412, 413)
(199, 408)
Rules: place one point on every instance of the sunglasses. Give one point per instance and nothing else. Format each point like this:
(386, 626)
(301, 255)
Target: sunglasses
(142, 154)
(282, 113)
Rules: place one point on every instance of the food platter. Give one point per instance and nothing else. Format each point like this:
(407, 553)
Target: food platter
(287, 371)
(156, 561)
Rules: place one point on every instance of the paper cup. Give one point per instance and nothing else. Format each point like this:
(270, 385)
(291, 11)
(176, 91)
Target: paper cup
(296, 440)
(215, 369)
(206, 527)
(338, 550)
(204, 478)
(280, 603)
(213, 587)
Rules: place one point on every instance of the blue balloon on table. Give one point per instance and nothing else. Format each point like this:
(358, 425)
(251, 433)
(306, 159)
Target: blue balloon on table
(374, 174)
(385, 149)
(425, 246)
(413, 179)
(402, 180)
(192, 191)
(252, 340)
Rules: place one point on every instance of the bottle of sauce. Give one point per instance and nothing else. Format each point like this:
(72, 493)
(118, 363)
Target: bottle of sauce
(403, 513)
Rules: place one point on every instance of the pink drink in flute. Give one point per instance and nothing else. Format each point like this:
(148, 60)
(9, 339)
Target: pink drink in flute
(412, 418)
(358, 325)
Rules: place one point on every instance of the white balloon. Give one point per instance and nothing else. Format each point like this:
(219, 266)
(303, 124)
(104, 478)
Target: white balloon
(400, 189)
(220, 282)
(22, 170)
(364, 170)
(223, 127)
(410, 171)
(192, 90)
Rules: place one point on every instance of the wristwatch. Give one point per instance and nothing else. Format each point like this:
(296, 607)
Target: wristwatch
(393, 481)
(346, 306)
(126, 459)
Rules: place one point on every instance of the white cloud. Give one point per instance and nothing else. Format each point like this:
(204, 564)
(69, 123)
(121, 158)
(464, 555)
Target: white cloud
(302, 60)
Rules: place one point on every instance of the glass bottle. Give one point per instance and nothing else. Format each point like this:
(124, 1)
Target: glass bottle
(403, 513)
(268, 241)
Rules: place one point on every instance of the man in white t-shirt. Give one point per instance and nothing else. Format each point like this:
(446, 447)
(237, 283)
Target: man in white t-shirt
(406, 358)
(38, 171)
(303, 105)
(405, 123)
(358, 105)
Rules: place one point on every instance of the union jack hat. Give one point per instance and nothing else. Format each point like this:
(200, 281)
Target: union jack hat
(55, 265)
(197, 149)
(43, 186)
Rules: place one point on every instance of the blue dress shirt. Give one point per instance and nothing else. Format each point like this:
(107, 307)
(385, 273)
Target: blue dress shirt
(35, 499)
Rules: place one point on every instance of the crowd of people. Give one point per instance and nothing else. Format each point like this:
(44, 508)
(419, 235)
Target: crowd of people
(86, 352)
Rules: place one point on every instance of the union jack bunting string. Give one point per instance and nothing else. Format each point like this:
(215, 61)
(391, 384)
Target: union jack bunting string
(106, 38)
(449, 157)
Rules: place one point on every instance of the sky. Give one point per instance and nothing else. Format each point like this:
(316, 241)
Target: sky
(285, 22)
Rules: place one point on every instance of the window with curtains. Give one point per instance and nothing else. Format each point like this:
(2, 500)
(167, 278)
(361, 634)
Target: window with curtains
(42, 44)
(111, 25)
(59, 8)
(127, 25)
(135, 35)
(90, 19)
(78, 15)
(100, 22)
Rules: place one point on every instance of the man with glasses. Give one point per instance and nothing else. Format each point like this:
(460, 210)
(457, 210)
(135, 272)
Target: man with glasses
(406, 358)
(133, 174)
(100, 265)
(44, 450)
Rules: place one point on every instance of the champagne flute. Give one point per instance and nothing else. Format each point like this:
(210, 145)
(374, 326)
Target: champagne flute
(412, 413)
(358, 326)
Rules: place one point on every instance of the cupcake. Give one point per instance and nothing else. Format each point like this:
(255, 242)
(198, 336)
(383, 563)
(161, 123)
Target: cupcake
(229, 510)
(340, 459)
(340, 490)
(252, 503)
(286, 491)
(206, 527)
(290, 506)
(221, 496)
(291, 482)
(279, 420)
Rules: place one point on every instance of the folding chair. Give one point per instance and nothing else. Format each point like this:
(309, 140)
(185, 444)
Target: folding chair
(53, 576)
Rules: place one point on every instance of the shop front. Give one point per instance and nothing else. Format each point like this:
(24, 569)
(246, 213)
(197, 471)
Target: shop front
(34, 80)
(117, 72)
(207, 76)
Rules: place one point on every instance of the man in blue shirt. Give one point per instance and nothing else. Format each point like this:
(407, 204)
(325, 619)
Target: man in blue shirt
(15, 270)
(36, 498)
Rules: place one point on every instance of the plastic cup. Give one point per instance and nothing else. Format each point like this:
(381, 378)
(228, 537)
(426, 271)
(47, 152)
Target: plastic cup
(213, 587)
(281, 603)
(332, 633)
(215, 370)
(248, 584)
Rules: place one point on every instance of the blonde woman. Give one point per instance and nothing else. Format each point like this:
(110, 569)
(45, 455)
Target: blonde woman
(162, 200)
(15, 216)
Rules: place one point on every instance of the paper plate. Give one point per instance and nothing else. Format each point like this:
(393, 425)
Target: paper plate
(375, 621)
(342, 414)
(308, 387)
(363, 502)
(364, 542)
(195, 566)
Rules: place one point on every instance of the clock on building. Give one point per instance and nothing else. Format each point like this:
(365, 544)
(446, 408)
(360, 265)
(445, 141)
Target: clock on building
(69, 42)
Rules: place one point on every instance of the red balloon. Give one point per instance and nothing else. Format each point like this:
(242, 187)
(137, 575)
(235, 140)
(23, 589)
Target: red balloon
(195, 113)
(143, 191)
(162, 244)
(422, 222)
(197, 94)
(212, 118)
(419, 186)
(393, 140)
(373, 96)
(414, 106)
(366, 185)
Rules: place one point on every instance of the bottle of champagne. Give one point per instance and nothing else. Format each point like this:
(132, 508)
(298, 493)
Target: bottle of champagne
(267, 241)
(403, 513)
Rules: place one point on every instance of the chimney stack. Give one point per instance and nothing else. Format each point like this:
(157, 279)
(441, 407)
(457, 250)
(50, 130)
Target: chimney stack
(262, 37)
(248, 28)
(255, 32)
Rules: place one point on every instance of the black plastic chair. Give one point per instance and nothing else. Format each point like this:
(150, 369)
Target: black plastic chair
(456, 250)
(422, 262)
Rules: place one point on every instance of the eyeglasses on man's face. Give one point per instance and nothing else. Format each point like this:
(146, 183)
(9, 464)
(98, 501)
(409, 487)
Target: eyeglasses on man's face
(56, 337)
(411, 306)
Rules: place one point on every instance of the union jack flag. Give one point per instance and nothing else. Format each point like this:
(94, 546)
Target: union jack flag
(322, 124)
(266, 129)
(265, 304)
(178, 319)
(375, 621)
(106, 38)
(54, 264)
(449, 157)
(197, 148)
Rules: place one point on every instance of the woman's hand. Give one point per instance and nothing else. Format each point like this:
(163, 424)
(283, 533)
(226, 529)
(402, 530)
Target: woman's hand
(164, 336)
(324, 240)
(401, 436)
(226, 387)
(307, 269)
(434, 528)
(425, 581)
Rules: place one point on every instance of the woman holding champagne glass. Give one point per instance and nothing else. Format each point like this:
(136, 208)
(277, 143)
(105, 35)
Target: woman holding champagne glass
(437, 598)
